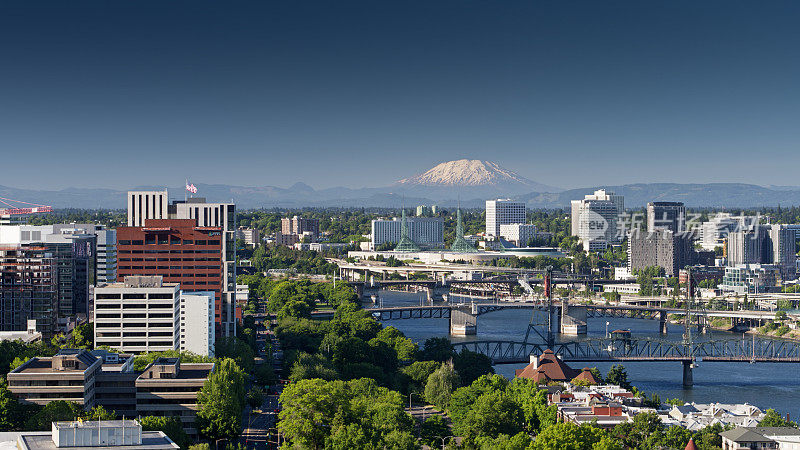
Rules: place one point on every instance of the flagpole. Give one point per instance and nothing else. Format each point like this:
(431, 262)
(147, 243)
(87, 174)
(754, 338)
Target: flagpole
(185, 191)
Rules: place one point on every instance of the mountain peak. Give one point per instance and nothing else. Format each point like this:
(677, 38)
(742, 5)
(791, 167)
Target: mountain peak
(468, 172)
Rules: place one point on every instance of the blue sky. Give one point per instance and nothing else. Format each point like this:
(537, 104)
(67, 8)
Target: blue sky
(567, 93)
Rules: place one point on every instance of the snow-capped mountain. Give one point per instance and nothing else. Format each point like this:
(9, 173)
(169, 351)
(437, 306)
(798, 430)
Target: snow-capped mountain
(475, 173)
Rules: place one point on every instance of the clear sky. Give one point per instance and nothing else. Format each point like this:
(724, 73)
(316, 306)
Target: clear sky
(567, 93)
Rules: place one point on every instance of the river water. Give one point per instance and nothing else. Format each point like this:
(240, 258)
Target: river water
(766, 385)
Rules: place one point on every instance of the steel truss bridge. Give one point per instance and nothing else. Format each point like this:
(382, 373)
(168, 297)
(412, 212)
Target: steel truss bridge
(640, 349)
(592, 311)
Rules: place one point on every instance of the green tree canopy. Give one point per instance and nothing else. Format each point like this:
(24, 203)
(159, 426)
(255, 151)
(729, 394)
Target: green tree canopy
(441, 384)
(221, 401)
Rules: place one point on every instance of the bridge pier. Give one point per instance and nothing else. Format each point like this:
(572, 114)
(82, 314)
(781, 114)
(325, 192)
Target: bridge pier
(463, 321)
(688, 379)
(437, 293)
(662, 322)
(573, 320)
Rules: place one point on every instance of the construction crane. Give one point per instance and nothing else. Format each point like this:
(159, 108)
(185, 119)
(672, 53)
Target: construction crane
(18, 207)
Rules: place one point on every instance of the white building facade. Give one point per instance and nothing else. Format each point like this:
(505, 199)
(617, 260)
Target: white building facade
(594, 219)
(518, 233)
(503, 212)
(197, 323)
(427, 232)
(139, 315)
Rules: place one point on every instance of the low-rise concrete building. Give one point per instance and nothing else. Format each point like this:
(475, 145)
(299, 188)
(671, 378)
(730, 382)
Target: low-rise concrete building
(169, 388)
(70, 375)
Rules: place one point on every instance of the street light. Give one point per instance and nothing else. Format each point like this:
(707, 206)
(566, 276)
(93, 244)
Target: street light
(444, 439)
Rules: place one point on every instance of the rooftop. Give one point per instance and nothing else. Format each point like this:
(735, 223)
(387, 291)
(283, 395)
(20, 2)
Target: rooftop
(42, 440)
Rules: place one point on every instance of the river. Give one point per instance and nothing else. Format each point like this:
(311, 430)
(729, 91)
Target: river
(766, 385)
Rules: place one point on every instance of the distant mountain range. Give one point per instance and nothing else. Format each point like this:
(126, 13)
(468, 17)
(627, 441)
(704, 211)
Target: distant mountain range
(468, 182)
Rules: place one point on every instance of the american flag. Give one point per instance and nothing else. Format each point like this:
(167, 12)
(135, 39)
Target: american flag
(191, 188)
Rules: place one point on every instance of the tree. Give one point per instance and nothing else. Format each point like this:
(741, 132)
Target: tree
(464, 398)
(437, 349)
(264, 374)
(773, 418)
(199, 446)
(98, 412)
(471, 366)
(236, 349)
(350, 436)
(221, 401)
(171, 426)
(418, 373)
(493, 413)
(56, 411)
(567, 436)
(645, 431)
(404, 347)
(433, 426)
(519, 441)
(141, 361)
(441, 384)
(12, 413)
(617, 375)
(255, 397)
(308, 366)
(339, 414)
(295, 308)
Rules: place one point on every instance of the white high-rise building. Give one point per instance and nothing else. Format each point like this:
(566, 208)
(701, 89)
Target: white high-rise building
(426, 232)
(594, 219)
(138, 315)
(197, 323)
(503, 212)
(144, 314)
(518, 233)
(143, 205)
(714, 232)
(783, 248)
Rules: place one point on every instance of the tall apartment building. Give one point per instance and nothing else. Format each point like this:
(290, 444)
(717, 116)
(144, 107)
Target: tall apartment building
(662, 248)
(28, 289)
(427, 232)
(746, 246)
(764, 244)
(666, 216)
(594, 219)
(783, 248)
(250, 236)
(144, 205)
(299, 225)
(140, 315)
(74, 254)
(197, 323)
(503, 212)
(106, 251)
(181, 252)
(714, 232)
(169, 388)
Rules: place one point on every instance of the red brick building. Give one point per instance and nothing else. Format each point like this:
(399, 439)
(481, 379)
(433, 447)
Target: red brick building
(177, 250)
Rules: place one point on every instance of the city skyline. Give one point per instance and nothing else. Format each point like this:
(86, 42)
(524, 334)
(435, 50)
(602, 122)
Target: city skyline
(579, 96)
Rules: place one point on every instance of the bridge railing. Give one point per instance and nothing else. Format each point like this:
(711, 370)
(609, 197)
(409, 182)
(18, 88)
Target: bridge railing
(641, 349)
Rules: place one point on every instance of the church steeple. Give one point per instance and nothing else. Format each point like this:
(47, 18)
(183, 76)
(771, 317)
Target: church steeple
(405, 244)
(460, 244)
